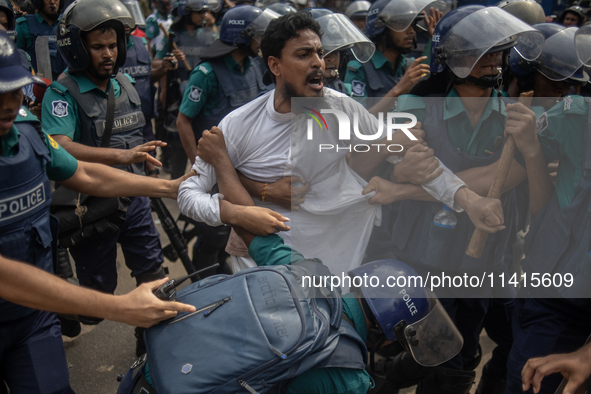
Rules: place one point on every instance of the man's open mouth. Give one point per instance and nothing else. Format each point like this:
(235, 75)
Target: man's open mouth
(316, 81)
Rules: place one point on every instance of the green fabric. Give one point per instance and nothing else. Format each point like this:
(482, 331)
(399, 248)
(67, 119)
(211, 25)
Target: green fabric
(271, 250)
(131, 43)
(24, 40)
(62, 165)
(482, 140)
(202, 78)
(69, 124)
(355, 71)
(152, 28)
(564, 139)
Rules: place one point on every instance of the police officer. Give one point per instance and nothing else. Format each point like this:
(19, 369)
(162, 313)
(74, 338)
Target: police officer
(137, 65)
(390, 25)
(462, 142)
(194, 32)
(75, 112)
(32, 357)
(43, 23)
(340, 35)
(572, 16)
(228, 79)
(281, 8)
(555, 320)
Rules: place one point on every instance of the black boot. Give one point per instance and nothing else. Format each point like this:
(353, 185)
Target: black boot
(443, 380)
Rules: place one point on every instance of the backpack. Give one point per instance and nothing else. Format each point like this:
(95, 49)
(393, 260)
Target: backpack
(251, 332)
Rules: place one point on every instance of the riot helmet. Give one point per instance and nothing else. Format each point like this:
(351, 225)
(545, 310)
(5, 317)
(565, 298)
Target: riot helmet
(281, 8)
(575, 10)
(83, 16)
(407, 313)
(397, 15)
(583, 44)
(6, 6)
(240, 25)
(529, 11)
(133, 6)
(13, 75)
(341, 34)
(559, 60)
(163, 7)
(357, 9)
(466, 34)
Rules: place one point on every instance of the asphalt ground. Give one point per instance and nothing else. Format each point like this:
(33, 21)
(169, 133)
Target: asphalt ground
(100, 352)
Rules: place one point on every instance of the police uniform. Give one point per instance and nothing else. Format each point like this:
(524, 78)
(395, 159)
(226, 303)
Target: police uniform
(28, 28)
(376, 77)
(416, 240)
(217, 87)
(557, 242)
(76, 107)
(137, 65)
(32, 357)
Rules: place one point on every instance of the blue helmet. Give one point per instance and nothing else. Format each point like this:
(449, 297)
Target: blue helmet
(357, 9)
(467, 33)
(558, 60)
(242, 23)
(407, 312)
(13, 74)
(84, 16)
(318, 12)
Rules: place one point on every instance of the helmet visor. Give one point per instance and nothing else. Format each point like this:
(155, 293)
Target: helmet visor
(215, 5)
(583, 44)
(398, 15)
(434, 339)
(87, 14)
(340, 33)
(559, 59)
(258, 26)
(484, 31)
(136, 12)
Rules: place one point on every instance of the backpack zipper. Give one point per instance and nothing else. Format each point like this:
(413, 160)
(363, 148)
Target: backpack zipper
(206, 309)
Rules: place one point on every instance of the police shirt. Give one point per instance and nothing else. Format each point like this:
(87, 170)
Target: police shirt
(561, 131)
(356, 77)
(202, 92)
(153, 31)
(23, 33)
(62, 165)
(271, 250)
(482, 140)
(60, 113)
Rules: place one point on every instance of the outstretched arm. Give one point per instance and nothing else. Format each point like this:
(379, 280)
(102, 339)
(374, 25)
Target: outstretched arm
(29, 286)
(104, 181)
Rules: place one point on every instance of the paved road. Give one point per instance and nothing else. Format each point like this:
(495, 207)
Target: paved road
(101, 352)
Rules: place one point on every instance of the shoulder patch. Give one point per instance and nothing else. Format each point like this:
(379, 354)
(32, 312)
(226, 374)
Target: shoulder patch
(203, 69)
(21, 19)
(357, 88)
(567, 102)
(195, 94)
(59, 108)
(53, 143)
(353, 66)
(542, 123)
(58, 88)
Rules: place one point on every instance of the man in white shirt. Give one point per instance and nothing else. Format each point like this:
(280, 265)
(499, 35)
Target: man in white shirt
(264, 143)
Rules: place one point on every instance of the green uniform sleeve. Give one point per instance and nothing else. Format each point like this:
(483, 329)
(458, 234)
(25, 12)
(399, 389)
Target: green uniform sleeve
(331, 381)
(271, 250)
(201, 87)
(412, 104)
(63, 165)
(23, 34)
(59, 112)
(161, 52)
(356, 78)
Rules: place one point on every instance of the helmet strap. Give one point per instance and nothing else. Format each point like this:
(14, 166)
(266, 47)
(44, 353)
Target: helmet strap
(376, 338)
(486, 81)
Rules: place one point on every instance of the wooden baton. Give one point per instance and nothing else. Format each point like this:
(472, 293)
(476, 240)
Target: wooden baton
(185, 62)
(479, 236)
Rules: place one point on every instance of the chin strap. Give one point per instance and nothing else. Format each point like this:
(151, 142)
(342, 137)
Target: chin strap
(487, 81)
(376, 338)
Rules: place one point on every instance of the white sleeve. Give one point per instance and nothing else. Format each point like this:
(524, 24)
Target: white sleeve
(194, 199)
(444, 187)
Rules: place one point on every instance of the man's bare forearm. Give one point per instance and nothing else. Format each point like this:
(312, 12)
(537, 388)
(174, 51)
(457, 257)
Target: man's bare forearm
(541, 187)
(183, 124)
(104, 181)
(107, 156)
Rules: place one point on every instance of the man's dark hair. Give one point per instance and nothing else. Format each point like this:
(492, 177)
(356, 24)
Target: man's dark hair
(283, 29)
